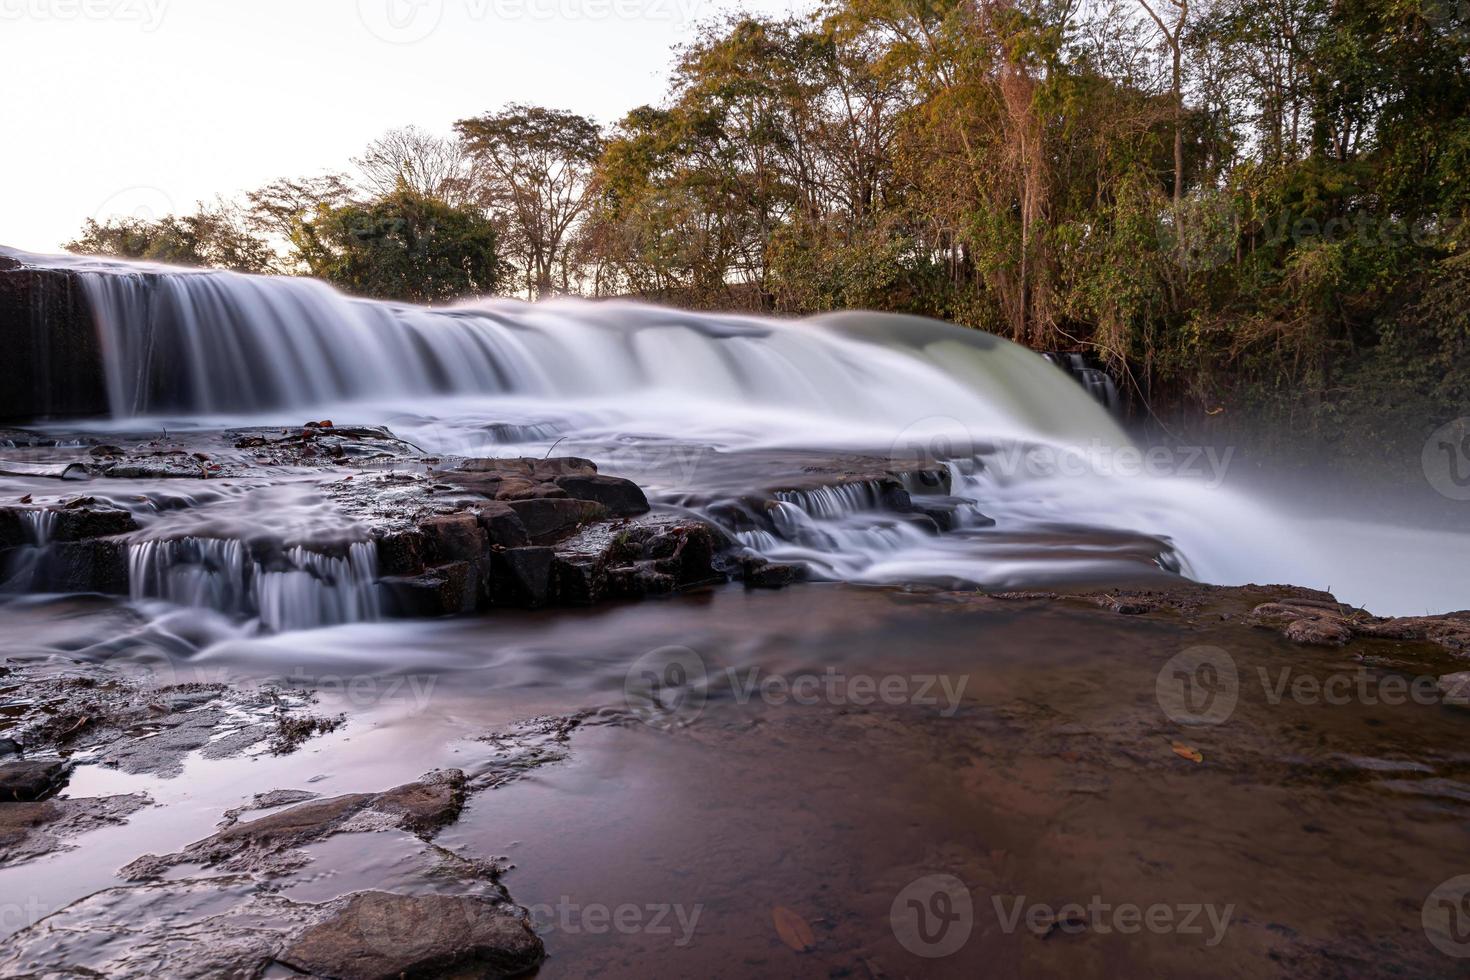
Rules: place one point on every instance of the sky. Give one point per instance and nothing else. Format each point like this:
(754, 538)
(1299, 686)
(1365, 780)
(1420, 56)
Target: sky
(144, 107)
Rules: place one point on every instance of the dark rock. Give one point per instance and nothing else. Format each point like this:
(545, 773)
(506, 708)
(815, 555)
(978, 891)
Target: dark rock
(442, 591)
(622, 498)
(26, 782)
(452, 537)
(502, 526)
(380, 936)
(88, 522)
(53, 360)
(762, 574)
(427, 805)
(580, 579)
(96, 565)
(9, 747)
(522, 576)
(401, 552)
(546, 520)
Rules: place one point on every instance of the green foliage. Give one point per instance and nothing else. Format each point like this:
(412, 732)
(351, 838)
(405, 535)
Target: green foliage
(404, 246)
(213, 236)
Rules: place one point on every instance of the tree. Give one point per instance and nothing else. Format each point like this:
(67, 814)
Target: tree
(427, 164)
(403, 246)
(215, 235)
(534, 167)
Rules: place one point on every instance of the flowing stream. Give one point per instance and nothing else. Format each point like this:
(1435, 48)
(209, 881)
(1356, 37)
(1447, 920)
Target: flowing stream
(1043, 482)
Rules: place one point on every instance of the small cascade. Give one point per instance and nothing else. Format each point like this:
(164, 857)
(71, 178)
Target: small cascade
(294, 588)
(1094, 380)
(837, 501)
(26, 569)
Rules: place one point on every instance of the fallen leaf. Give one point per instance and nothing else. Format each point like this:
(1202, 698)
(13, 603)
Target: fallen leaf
(1186, 752)
(792, 929)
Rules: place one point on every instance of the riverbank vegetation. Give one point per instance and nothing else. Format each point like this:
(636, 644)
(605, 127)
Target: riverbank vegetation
(1246, 209)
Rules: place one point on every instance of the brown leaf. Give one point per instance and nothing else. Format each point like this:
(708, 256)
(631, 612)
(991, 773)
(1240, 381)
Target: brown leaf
(792, 929)
(1186, 752)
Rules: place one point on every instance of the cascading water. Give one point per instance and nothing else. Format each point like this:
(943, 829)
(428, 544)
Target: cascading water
(295, 589)
(636, 387)
(25, 571)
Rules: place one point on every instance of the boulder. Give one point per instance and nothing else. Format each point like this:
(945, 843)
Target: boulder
(522, 576)
(502, 526)
(622, 498)
(452, 537)
(401, 552)
(382, 936)
(548, 519)
(27, 782)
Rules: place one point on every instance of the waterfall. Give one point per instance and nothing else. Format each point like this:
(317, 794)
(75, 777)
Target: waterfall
(295, 588)
(25, 570)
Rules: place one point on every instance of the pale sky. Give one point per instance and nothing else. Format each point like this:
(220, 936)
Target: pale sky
(115, 107)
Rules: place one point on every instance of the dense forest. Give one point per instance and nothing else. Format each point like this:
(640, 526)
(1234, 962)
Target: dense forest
(1245, 209)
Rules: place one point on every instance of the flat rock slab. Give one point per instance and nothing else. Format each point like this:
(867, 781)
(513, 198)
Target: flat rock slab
(260, 845)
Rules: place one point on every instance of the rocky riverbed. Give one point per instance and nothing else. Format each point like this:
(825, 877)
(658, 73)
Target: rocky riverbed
(512, 793)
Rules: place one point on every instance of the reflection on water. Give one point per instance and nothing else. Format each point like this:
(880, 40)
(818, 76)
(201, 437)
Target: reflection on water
(842, 744)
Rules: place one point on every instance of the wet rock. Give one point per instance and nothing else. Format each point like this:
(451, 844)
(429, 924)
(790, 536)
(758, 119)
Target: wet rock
(9, 747)
(622, 498)
(758, 573)
(452, 537)
(400, 551)
(1318, 632)
(442, 591)
(502, 526)
(82, 523)
(1455, 689)
(98, 565)
(262, 844)
(522, 576)
(32, 830)
(548, 519)
(381, 936)
(26, 782)
(19, 820)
